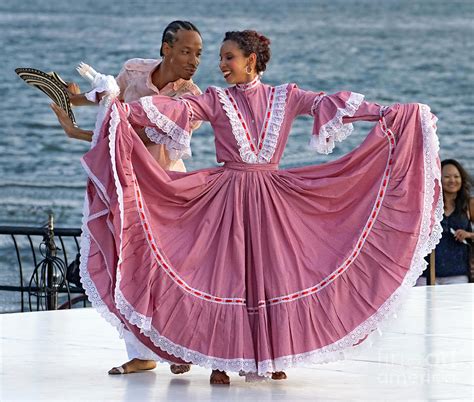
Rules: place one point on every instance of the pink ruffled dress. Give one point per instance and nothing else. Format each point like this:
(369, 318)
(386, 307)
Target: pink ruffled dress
(245, 266)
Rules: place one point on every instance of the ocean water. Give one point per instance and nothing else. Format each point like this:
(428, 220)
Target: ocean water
(391, 51)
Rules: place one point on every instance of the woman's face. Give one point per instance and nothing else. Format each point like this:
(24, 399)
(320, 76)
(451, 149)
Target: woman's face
(451, 179)
(233, 63)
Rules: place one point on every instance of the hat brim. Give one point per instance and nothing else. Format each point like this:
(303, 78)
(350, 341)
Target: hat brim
(51, 84)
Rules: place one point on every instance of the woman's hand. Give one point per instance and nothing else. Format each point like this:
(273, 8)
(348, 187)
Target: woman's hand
(462, 235)
(69, 128)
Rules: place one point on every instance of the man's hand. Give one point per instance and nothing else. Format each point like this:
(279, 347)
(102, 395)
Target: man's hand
(75, 96)
(73, 89)
(68, 127)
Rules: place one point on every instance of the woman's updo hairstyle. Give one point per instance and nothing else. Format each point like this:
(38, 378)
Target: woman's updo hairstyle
(252, 42)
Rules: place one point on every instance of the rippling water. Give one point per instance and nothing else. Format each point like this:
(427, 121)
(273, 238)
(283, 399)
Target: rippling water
(391, 51)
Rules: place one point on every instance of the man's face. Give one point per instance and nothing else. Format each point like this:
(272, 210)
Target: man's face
(185, 53)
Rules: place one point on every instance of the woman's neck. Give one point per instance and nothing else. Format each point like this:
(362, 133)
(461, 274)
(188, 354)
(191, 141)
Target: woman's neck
(449, 201)
(247, 85)
(250, 78)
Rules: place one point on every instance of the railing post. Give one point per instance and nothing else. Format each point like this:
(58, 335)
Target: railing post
(431, 279)
(51, 277)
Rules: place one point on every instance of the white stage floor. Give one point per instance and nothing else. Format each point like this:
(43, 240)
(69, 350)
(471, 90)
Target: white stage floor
(426, 353)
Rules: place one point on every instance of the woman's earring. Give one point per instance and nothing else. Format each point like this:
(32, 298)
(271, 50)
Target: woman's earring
(247, 70)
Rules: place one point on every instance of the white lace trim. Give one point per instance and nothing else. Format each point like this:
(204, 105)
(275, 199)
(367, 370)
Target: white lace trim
(98, 124)
(141, 351)
(180, 136)
(188, 355)
(249, 85)
(316, 102)
(175, 150)
(426, 242)
(246, 153)
(89, 286)
(271, 138)
(274, 125)
(335, 130)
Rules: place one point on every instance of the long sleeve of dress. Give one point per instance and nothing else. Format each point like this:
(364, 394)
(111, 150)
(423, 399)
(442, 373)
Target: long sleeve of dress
(172, 120)
(333, 115)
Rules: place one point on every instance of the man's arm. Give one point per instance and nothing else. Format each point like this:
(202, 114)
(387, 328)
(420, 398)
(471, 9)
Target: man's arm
(85, 135)
(75, 96)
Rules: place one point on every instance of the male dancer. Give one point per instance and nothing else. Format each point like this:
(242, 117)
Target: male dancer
(180, 50)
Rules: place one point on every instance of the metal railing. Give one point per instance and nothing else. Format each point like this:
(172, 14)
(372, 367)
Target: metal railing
(48, 275)
(44, 263)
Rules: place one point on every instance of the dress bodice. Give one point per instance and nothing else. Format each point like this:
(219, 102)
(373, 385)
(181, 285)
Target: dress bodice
(251, 124)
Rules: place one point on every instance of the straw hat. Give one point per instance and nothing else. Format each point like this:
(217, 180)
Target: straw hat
(51, 84)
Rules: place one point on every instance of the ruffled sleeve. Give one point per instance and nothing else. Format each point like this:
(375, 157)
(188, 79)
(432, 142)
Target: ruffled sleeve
(330, 119)
(330, 114)
(169, 121)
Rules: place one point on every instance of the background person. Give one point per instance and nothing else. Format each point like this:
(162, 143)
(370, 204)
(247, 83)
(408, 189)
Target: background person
(452, 254)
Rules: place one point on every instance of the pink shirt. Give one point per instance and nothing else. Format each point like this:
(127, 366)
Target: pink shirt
(135, 82)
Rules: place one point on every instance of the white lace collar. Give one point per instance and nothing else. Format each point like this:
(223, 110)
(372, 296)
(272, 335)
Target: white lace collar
(248, 85)
(263, 150)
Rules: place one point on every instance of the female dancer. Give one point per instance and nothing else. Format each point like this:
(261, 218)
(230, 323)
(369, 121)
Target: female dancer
(247, 267)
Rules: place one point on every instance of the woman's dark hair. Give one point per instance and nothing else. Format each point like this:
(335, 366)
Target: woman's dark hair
(252, 42)
(463, 195)
(169, 34)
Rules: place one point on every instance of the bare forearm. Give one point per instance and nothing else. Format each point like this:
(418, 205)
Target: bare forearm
(76, 97)
(68, 126)
(80, 134)
(80, 100)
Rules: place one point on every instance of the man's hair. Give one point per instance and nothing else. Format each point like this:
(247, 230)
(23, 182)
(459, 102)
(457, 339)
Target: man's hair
(169, 34)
